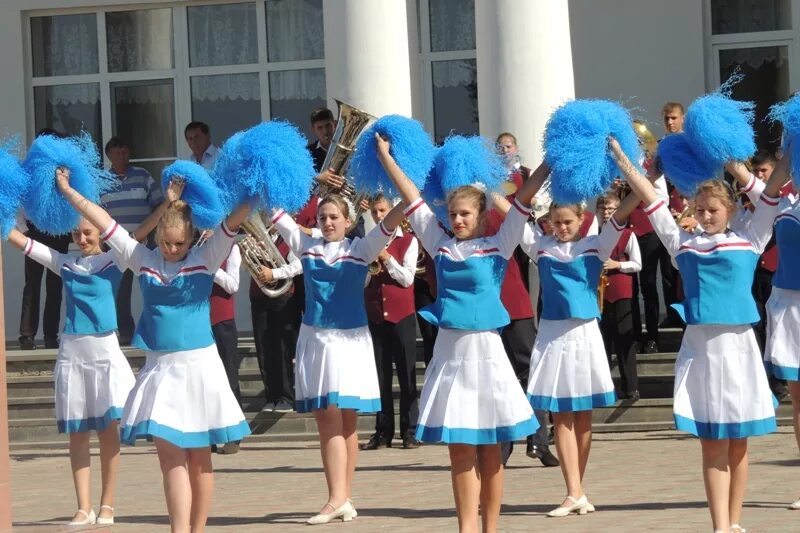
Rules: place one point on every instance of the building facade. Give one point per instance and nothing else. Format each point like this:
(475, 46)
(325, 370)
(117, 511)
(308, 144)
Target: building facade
(143, 70)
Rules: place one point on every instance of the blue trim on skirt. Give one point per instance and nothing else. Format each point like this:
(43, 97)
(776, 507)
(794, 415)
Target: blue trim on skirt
(479, 436)
(97, 423)
(789, 373)
(362, 405)
(579, 403)
(726, 430)
(184, 439)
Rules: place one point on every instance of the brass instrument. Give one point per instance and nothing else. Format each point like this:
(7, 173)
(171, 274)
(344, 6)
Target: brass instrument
(647, 140)
(349, 126)
(375, 268)
(601, 288)
(259, 250)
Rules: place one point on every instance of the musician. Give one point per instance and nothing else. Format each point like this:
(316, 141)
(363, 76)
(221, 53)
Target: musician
(389, 298)
(323, 125)
(616, 322)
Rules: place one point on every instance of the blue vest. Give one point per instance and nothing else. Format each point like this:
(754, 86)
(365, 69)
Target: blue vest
(334, 293)
(569, 288)
(468, 294)
(90, 300)
(787, 238)
(717, 287)
(176, 316)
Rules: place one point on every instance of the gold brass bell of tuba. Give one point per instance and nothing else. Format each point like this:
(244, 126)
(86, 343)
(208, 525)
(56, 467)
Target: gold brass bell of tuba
(647, 140)
(349, 126)
(259, 250)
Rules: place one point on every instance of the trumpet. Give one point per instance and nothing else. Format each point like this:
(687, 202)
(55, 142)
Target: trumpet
(601, 288)
(259, 250)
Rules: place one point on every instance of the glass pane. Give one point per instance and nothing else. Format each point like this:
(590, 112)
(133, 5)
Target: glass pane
(144, 115)
(293, 94)
(742, 16)
(455, 98)
(227, 103)
(452, 25)
(154, 167)
(139, 40)
(766, 82)
(68, 108)
(222, 35)
(294, 30)
(64, 45)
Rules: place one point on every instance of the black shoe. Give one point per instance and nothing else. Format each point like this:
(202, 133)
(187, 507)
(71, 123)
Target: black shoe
(375, 442)
(543, 454)
(51, 342)
(410, 442)
(26, 343)
(634, 396)
(650, 347)
(551, 435)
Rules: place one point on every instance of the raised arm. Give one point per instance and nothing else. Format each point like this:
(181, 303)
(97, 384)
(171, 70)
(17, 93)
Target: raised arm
(174, 191)
(18, 239)
(88, 209)
(408, 191)
(41, 253)
(626, 207)
(640, 185)
(373, 242)
(533, 184)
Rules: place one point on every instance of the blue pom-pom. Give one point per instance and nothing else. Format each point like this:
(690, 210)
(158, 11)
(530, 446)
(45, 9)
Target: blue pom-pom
(44, 204)
(13, 184)
(576, 148)
(411, 148)
(226, 171)
(682, 166)
(200, 192)
(270, 163)
(719, 128)
(788, 114)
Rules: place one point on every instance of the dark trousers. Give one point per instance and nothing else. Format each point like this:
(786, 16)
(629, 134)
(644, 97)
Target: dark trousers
(275, 332)
(654, 255)
(518, 338)
(616, 325)
(423, 297)
(31, 293)
(226, 338)
(125, 322)
(396, 343)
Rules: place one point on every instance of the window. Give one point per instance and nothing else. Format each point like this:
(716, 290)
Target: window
(744, 16)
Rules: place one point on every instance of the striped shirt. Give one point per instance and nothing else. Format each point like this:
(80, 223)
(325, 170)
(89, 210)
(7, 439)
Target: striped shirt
(137, 196)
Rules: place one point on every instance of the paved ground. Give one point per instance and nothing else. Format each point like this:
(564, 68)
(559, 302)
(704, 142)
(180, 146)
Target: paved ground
(638, 482)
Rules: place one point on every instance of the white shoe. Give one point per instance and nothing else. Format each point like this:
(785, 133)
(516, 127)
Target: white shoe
(589, 506)
(283, 407)
(268, 407)
(736, 528)
(90, 519)
(795, 505)
(578, 506)
(345, 512)
(355, 513)
(106, 521)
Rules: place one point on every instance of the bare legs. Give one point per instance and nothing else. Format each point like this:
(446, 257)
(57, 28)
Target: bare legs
(80, 459)
(188, 485)
(725, 467)
(573, 433)
(339, 449)
(477, 476)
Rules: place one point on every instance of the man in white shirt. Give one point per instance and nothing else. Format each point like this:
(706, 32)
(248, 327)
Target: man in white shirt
(198, 137)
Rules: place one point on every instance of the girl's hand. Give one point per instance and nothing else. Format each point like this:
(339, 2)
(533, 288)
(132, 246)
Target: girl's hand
(175, 189)
(616, 149)
(62, 178)
(382, 145)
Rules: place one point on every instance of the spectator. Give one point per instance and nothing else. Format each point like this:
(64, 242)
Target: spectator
(198, 137)
(137, 196)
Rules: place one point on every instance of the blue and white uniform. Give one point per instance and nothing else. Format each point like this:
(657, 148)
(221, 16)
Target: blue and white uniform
(335, 362)
(721, 389)
(471, 394)
(181, 394)
(569, 368)
(92, 377)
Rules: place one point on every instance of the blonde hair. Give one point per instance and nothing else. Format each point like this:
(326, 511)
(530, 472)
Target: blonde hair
(578, 209)
(338, 201)
(178, 214)
(720, 190)
(468, 192)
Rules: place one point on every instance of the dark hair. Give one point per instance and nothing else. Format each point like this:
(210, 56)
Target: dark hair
(672, 106)
(378, 197)
(763, 157)
(606, 197)
(115, 142)
(506, 134)
(196, 125)
(49, 131)
(320, 114)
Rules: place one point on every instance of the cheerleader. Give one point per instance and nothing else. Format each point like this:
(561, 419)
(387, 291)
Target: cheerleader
(569, 373)
(181, 397)
(471, 399)
(721, 389)
(335, 375)
(92, 377)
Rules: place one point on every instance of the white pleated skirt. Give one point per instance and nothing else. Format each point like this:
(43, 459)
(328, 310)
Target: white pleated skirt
(471, 394)
(569, 368)
(92, 381)
(721, 388)
(183, 398)
(782, 353)
(336, 367)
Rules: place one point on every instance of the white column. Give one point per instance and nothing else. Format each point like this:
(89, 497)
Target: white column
(366, 55)
(524, 68)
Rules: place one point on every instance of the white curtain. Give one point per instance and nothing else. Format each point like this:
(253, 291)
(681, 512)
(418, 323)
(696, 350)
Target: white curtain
(295, 30)
(64, 45)
(452, 24)
(222, 35)
(741, 16)
(754, 57)
(139, 40)
(226, 87)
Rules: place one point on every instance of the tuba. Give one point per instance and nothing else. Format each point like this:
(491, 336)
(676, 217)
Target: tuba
(259, 250)
(351, 123)
(647, 140)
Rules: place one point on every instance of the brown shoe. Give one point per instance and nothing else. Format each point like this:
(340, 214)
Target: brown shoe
(229, 449)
